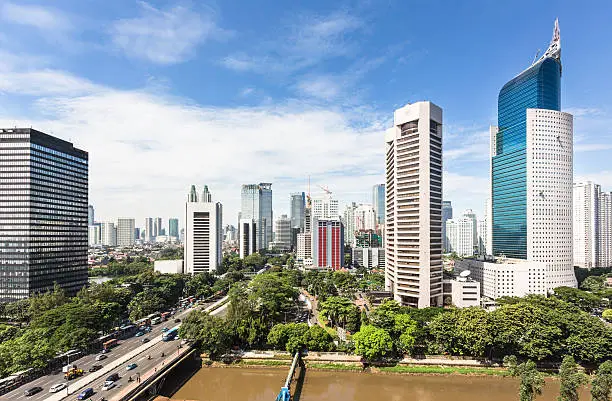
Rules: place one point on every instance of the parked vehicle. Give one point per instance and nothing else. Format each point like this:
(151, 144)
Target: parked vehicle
(32, 391)
(57, 387)
(95, 368)
(85, 394)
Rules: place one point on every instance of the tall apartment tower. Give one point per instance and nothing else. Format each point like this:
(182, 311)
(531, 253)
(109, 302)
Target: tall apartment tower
(157, 227)
(148, 229)
(91, 218)
(531, 170)
(173, 229)
(460, 233)
(203, 235)
(125, 232)
(325, 207)
(327, 243)
(378, 201)
(586, 224)
(43, 182)
(413, 230)
(247, 237)
(447, 214)
(605, 229)
(108, 234)
(282, 233)
(348, 219)
(256, 204)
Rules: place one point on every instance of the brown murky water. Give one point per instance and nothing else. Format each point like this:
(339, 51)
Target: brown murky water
(230, 384)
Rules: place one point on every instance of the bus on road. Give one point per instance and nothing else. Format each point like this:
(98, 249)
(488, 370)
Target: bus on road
(156, 320)
(110, 344)
(170, 334)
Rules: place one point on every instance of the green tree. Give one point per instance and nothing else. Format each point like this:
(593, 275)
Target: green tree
(211, 333)
(582, 299)
(404, 333)
(532, 381)
(345, 282)
(372, 342)
(384, 315)
(601, 386)
(254, 260)
(18, 310)
(465, 331)
(281, 334)
(318, 339)
(607, 315)
(41, 303)
(273, 295)
(336, 310)
(570, 379)
(200, 285)
(593, 283)
(144, 303)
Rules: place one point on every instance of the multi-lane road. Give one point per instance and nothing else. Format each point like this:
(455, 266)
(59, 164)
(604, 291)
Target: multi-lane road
(125, 346)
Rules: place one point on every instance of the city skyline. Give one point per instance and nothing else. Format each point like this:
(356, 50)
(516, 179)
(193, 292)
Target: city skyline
(53, 89)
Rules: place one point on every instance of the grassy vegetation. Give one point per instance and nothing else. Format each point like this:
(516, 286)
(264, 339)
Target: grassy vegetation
(259, 362)
(335, 366)
(444, 370)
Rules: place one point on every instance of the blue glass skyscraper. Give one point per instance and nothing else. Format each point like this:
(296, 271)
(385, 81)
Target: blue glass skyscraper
(538, 87)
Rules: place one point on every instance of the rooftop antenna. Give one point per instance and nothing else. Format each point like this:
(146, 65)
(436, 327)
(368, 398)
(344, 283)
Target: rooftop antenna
(536, 57)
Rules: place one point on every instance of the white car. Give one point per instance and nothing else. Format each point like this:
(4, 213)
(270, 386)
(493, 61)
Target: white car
(57, 387)
(108, 385)
(100, 357)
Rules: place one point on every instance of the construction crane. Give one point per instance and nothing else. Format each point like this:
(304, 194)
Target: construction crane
(326, 189)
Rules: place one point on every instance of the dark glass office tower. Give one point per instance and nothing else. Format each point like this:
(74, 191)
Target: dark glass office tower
(538, 87)
(43, 214)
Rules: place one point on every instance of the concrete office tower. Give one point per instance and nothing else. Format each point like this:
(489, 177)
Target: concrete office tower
(378, 201)
(248, 237)
(447, 213)
(148, 230)
(489, 225)
(327, 244)
(157, 227)
(531, 170)
(256, 204)
(469, 214)
(173, 229)
(348, 219)
(203, 236)
(365, 217)
(90, 215)
(460, 233)
(586, 224)
(282, 234)
(605, 226)
(325, 207)
(136, 233)
(298, 203)
(125, 232)
(43, 181)
(108, 234)
(413, 239)
(94, 235)
(303, 252)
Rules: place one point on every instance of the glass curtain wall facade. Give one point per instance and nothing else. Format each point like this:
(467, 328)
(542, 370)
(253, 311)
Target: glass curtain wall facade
(256, 204)
(538, 87)
(378, 201)
(43, 214)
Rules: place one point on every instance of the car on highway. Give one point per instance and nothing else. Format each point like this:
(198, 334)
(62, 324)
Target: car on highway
(95, 368)
(32, 391)
(177, 320)
(105, 351)
(108, 385)
(145, 340)
(57, 387)
(147, 329)
(100, 357)
(165, 329)
(85, 394)
(139, 334)
(131, 366)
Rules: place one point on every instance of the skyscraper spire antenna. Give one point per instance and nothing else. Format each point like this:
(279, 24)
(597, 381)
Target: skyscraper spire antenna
(554, 49)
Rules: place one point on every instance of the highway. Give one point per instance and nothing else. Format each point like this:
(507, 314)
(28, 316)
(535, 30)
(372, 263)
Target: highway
(125, 346)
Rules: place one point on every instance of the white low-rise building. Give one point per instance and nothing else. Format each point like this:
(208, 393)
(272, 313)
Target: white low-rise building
(169, 266)
(506, 277)
(371, 258)
(463, 290)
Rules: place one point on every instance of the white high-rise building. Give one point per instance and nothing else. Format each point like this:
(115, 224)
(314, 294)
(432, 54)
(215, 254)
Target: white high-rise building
(365, 217)
(148, 229)
(413, 240)
(203, 236)
(348, 219)
(94, 235)
(157, 227)
(282, 234)
(605, 229)
(125, 232)
(460, 234)
(108, 234)
(325, 207)
(586, 224)
(481, 246)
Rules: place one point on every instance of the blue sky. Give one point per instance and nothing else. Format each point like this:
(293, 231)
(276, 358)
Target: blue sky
(164, 94)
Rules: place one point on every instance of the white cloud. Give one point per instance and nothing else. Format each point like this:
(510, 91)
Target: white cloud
(165, 36)
(45, 82)
(603, 178)
(43, 18)
(325, 87)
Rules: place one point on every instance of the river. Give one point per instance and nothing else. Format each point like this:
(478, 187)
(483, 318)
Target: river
(262, 384)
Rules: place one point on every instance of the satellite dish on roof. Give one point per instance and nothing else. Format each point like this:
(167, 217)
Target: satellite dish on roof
(465, 273)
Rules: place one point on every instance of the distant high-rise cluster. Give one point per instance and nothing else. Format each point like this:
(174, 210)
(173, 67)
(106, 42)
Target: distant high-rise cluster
(592, 226)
